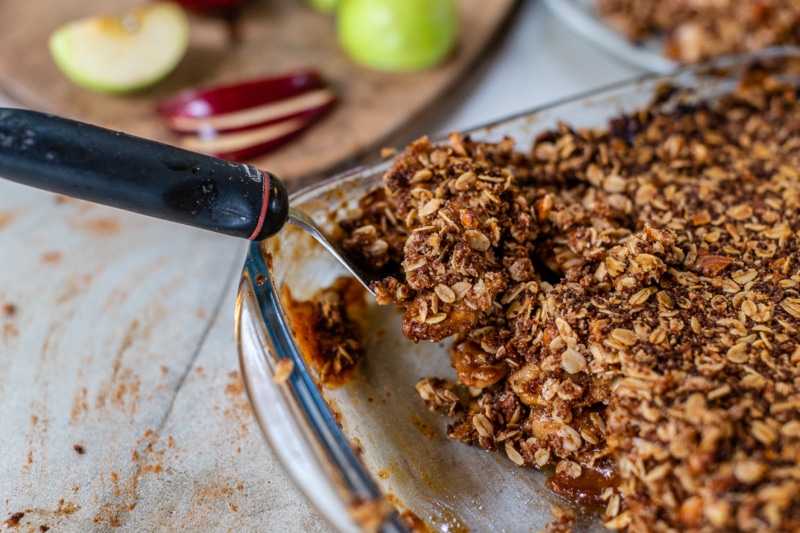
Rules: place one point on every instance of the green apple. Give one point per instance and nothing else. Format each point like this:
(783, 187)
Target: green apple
(397, 35)
(123, 53)
(323, 6)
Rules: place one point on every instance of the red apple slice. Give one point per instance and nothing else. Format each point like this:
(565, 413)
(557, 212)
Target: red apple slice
(226, 107)
(240, 120)
(243, 144)
(262, 114)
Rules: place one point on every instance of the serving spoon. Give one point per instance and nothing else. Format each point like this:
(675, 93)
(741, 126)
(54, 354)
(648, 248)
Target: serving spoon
(151, 178)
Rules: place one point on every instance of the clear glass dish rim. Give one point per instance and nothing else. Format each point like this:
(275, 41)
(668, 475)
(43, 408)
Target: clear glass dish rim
(354, 483)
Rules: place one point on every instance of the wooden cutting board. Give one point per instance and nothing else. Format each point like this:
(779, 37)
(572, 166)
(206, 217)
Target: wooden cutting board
(275, 36)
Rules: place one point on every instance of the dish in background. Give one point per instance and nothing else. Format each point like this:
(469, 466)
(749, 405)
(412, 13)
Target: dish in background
(581, 17)
(347, 447)
(665, 54)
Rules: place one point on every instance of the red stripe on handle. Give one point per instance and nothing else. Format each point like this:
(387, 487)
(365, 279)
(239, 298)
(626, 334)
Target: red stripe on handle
(264, 202)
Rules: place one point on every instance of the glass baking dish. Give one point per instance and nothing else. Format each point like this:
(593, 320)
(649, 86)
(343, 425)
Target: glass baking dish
(371, 445)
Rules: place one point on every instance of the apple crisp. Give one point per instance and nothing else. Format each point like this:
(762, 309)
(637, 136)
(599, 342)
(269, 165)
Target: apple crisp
(695, 30)
(624, 302)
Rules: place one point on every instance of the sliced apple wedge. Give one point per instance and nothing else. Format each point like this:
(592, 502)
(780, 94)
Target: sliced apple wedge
(241, 120)
(241, 145)
(245, 103)
(122, 53)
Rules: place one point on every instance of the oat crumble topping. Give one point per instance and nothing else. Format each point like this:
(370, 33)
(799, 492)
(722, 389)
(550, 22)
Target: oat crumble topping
(624, 302)
(696, 30)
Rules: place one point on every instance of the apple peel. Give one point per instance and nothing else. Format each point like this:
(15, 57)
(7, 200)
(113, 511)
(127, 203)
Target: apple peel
(238, 121)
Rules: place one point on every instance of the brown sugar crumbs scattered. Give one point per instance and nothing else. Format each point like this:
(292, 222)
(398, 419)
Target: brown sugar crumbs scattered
(13, 520)
(698, 30)
(624, 302)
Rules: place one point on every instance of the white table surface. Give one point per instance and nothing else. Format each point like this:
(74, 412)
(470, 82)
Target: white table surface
(122, 342)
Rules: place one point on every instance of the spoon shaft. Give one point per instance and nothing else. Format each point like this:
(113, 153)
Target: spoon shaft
(119, 170)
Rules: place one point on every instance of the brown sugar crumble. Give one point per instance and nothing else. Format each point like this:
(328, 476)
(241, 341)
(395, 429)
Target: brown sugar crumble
(624, 303)
(699, 30)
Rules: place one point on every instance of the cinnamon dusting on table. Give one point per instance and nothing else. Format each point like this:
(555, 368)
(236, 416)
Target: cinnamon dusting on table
(6, 218)
(13, 520)
(9, 329)
(100, 226)
(51, 257)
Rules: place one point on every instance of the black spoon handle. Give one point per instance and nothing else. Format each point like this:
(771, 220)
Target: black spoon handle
(112, 168)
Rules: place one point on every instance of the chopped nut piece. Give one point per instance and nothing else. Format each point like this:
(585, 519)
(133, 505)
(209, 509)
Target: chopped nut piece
(283, 369)
(572, 361)
(387, 152)
(749, 471)
(563, 520)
